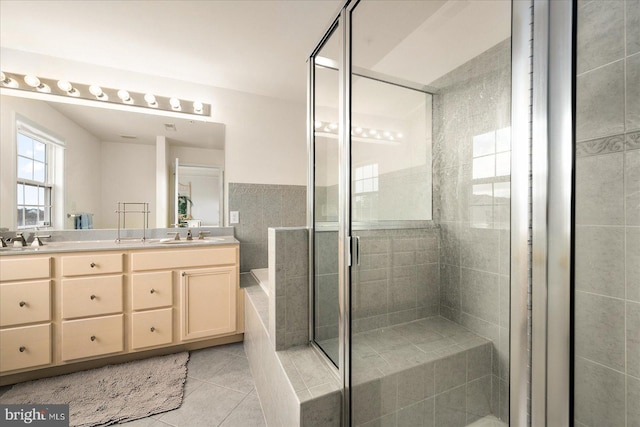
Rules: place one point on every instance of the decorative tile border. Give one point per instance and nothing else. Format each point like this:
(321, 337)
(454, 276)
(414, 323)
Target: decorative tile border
(633, 141)
(609, 144)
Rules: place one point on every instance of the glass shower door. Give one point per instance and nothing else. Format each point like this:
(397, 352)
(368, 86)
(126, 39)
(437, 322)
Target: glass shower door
(325, 210)
(430, 212)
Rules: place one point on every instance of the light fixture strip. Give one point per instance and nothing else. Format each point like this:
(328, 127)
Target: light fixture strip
(360, 133)
(113, 96)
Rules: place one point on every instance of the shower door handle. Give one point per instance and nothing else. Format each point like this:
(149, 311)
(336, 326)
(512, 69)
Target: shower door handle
(357, 250)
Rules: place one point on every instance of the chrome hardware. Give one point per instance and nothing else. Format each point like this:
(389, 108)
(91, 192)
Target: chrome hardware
(189, 235)
(184, 274)
(125, 208)
(22, 303)
(93, 297)
(93, 337)
(357, 250)
(36, 239)
(3, 243)
(22, 349)
(201, 234)
(153, 329)
(93, 264)
(152, 290)
(176, 234)
(19, 240)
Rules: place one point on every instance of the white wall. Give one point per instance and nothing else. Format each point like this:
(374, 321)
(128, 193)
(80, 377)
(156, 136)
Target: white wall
(82, 158)
(128, 175)
(265, 137)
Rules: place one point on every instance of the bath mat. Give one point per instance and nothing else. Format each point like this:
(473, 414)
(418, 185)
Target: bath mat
(111, 394)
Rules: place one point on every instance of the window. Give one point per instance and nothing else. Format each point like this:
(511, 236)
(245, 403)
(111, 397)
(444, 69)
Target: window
(491, 175)
(366, 193)
(34, 179)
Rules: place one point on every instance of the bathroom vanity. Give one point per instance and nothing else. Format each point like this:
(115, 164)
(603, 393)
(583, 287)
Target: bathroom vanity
(75, 305)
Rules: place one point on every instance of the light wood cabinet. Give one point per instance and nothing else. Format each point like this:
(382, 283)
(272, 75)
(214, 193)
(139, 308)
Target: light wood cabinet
(151, 328)
(25, 313)
(92, 337)
(66, 308)
(25, 347)
(25, 302)
(208, 302)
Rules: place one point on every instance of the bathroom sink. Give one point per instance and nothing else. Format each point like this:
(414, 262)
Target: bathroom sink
(172, 241)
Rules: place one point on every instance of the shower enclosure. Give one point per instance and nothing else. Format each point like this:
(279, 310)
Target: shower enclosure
(474, 211)
(410, 131)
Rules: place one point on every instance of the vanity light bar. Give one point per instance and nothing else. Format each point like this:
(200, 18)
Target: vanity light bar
(32, 83)
(359, 132)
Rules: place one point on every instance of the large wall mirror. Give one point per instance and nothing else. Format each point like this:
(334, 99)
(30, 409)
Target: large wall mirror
(66, 166)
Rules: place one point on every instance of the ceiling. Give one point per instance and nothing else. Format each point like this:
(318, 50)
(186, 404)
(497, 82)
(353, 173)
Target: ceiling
(258, 47)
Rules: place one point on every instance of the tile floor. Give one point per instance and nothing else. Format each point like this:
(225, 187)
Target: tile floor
(219, 392)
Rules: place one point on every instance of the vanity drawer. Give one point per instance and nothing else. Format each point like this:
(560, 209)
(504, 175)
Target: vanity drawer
(29, 268)
(91, 296)
(151, 290)
(94, 263)
(25, 347)
(151, 328)
(92, 337)
(185, 258)
(25, 302)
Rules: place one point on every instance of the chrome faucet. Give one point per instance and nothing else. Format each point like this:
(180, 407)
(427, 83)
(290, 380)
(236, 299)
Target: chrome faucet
(176, 234)
(36, 239)
(189, 235)
(3, 242)
(19, 240)
(202, 233)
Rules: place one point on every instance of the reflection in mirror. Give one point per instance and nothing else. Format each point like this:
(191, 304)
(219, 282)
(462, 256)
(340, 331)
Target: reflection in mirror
(198, 195)
(66, 166)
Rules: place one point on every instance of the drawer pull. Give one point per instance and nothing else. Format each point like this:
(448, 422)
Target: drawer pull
(153, 329)
(92, 297)
(152, 290)
(22, 303)
(93, 337)
(22, 349)
(93, 264)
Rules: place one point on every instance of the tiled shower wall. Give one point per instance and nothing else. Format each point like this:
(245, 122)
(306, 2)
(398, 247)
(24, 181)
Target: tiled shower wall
(607, 264)
(261, 206)
(471, 201)
(397, 281)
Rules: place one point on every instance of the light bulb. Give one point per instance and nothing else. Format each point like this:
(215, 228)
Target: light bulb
(198, 107)
(358, 130)
(399, 135)
(43, 88)
(8, 81)
(64, 85)
(98, 93)
(150, 99)
(317, 124)
(124, 96)
(175, 103)
(373, 132)
(387, 133)
(32, 80)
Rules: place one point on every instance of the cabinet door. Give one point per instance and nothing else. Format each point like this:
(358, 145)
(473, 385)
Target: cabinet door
(208, 302)
(25, 347)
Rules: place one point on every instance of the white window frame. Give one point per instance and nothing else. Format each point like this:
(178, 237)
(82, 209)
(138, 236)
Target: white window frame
(53, 198)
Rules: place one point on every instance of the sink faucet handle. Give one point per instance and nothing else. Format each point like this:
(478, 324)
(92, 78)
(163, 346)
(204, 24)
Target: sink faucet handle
(3, 243)
(36, 239)
(189, 235)
(202, 233)
(175, 233)
(19, 240)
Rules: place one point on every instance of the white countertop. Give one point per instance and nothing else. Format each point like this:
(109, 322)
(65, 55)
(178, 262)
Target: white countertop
(111, 245)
